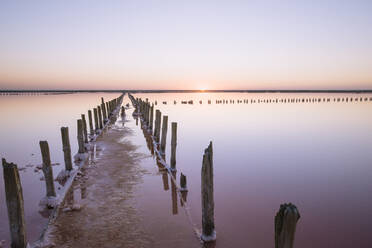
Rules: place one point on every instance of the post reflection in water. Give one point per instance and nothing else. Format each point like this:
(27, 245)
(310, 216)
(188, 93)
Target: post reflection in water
(174, 193)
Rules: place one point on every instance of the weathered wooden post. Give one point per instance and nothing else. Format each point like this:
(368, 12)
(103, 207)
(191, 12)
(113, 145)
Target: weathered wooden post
(208, 233)
(122, 111)
(173, 146)
(47, 169)
(100, 117)
(86, 140)
(157, 126)
(91, 129)
(151, 117)
(285, 225)
(164, 130)
(174, 194)
(80, 136)
(66, 148)
(183, 183)
(15, 205)
(108, 110)
(96, 120)
(103, 110)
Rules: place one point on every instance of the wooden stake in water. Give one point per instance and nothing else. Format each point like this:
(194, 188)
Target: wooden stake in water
(15, 205)
(173, 146)
(164, 131)
(91, 129)
(80, 136)
(151, 117)
(85, 131)
(157, 126)
(96, 120)
(208, 233)
(47, 169)
(100, 117)
(183, 183)
(66, 148)
(285, 225)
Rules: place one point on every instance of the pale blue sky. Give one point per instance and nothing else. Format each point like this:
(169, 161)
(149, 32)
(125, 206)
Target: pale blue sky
(185, 44)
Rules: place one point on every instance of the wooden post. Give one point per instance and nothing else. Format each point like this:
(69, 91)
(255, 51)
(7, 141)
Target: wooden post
(91, 129)
(164, 130)
(151, 117)
(86, 140)
(122, 111)
(183, 183)
(80, 136)
(15, 205)
(157, 126)
(47, 169)
(103, 110)
(285, 225)
(100, 117)
(174, 195)
(108, 110)
(209, 234)
(173, 146)
(96, 120)
(66, 148)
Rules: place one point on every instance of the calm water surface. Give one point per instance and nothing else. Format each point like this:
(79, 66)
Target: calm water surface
(315, 155)
(25, 120)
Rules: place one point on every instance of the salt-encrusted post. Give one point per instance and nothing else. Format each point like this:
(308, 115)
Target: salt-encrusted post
(157, 126)
(100, 117)
(208, 234)
(108, 110)
(285, 225)
(15, 205)
(173, 146)
(96, 120)
(80, 136)
(66, 148)
(164, 130)
(151, 117)
(103, 110)
(183, 183)
(47, 169)
(86, 140)
(91, 129)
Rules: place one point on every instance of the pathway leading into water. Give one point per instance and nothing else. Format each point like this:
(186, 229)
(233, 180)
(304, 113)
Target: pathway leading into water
(107, 204)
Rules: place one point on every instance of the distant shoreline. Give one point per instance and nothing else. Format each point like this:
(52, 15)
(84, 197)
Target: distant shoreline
(183, 91)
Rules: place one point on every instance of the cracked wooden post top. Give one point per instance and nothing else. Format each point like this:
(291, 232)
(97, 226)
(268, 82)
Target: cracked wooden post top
(285, 225)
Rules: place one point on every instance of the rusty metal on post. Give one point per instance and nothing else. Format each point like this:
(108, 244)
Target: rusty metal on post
(66, 148)
(208, 232)
(164, 131)
(86, 140)
(173, 146)
(15, 205)
(285, 225)
(91, 129)
(47, 169)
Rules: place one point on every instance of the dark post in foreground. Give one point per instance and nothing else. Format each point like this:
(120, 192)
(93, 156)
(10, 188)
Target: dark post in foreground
(209, 234)
(173, 146)
(14, 202)
(47, 169)
(66, 148)
(285, 225)
(164, 131)
(80, 136)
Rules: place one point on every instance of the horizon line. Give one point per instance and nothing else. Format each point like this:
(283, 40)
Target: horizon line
(194, 91)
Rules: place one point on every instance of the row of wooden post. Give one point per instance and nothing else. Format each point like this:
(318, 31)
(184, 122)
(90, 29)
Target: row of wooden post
(285, 219)
(13, 187)
(280, 100)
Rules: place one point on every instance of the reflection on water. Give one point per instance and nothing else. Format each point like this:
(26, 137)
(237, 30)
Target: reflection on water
(309, 149)
(27, 119)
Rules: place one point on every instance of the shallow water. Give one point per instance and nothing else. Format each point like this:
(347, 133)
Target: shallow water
(313, 154)
(316, 155)
(25, 120)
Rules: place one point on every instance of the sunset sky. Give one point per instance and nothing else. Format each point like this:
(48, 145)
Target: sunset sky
(185, 44)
